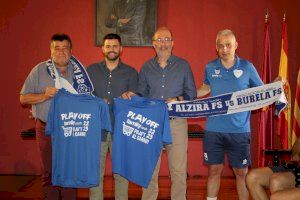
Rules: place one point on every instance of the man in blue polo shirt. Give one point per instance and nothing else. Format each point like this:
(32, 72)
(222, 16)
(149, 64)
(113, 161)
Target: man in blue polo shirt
(228, 134)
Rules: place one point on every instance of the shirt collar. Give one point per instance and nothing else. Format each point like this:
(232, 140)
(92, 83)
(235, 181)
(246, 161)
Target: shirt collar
(235, 66)
(170, 59)
(120, 64)
(69, 68)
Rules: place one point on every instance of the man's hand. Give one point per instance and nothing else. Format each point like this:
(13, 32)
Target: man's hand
(279, 78)
(203, 90)
(172, 99)
(106, 100)
(127, 95)
(50, 92)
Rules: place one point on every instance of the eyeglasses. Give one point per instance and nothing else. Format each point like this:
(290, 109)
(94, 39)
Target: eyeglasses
(166, 39)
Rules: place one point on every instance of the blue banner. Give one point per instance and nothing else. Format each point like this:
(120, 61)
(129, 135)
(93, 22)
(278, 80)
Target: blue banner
(240, 101)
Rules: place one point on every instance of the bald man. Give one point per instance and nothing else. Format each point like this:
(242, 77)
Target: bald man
(227, 134)
(168, 77)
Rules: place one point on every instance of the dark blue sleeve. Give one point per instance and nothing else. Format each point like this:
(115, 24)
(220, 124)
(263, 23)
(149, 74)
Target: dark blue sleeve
(143, 88)
(105, 117)
(190, 91)
(167, 138)
(133, 81)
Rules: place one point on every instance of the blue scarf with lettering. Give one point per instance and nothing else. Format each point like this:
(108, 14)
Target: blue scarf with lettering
(240, 101)
(81, 81)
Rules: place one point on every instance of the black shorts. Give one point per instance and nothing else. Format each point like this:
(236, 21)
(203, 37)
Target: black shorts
(235, 145)
(277, 169)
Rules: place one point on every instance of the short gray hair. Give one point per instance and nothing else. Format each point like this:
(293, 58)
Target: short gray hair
(224, 32)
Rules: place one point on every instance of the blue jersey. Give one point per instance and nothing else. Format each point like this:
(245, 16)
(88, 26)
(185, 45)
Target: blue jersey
(141, 127)
(75, 123)
(242, 75)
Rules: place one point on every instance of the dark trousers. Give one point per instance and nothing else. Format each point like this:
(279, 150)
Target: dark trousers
(50, 192)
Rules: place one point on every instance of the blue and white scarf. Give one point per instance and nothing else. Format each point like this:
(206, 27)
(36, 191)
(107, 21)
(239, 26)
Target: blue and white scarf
(81, 81)
(240, 101)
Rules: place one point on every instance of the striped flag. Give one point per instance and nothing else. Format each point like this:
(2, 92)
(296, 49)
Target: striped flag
(284, 118)
(265, 134)
(296, 119)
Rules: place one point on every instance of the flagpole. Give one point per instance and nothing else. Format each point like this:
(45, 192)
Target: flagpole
(267, 16)
(265, 130)
(284, 119)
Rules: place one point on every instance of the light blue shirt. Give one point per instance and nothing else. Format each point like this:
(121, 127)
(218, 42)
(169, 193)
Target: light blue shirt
(242, 75)
(37, 82)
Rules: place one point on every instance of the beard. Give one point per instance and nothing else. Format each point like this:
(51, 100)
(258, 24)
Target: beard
(163, 51)
(112, 58)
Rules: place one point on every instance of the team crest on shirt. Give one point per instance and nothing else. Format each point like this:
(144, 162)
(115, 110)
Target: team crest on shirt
(217, 73)
(238, 73)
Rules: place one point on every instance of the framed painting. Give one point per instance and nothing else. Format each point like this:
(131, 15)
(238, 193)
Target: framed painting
(133, 20)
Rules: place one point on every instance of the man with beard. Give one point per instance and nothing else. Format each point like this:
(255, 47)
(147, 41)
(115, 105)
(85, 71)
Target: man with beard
(111, 78)
(168, 77)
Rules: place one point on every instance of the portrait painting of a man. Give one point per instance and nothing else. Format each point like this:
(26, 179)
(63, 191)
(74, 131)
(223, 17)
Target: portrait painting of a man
(133, 20)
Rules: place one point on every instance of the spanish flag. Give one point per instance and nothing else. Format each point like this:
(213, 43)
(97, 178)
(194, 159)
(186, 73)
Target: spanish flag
(296, 120)
(284, 118)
